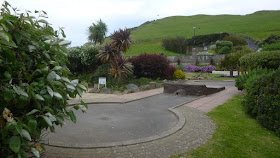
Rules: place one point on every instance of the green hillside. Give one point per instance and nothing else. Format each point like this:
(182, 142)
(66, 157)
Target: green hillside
(148, 36)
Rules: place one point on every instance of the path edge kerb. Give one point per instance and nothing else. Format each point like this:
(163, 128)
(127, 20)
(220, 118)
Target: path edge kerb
(179, 125)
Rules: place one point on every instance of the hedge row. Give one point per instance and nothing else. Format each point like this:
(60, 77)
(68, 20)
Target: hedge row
(262, 100)
(263, 59)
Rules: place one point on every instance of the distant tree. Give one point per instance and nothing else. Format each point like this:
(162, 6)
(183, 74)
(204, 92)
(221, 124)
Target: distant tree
(97, 32)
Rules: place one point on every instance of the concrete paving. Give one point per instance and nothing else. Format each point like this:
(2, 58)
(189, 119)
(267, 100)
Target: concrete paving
(196, 130)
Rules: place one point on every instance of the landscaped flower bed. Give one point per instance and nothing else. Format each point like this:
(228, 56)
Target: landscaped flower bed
(193, 68)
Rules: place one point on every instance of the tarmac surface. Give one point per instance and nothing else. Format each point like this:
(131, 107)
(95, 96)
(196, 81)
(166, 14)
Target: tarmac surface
(187, 128)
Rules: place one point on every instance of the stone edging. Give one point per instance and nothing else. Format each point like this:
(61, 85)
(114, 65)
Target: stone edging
(179, 125)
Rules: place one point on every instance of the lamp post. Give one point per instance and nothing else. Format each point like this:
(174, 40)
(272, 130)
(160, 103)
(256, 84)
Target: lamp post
(194, 36)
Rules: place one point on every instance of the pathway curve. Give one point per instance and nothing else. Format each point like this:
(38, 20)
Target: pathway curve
(197, 130)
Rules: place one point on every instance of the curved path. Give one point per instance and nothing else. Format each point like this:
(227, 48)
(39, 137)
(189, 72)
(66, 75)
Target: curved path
(197, 129)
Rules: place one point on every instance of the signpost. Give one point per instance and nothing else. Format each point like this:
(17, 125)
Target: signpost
(102, 80)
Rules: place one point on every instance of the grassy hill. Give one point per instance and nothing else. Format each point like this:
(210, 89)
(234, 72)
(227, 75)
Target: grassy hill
(148, 36)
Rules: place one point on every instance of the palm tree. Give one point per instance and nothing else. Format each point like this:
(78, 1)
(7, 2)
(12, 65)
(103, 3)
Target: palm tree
(121, 40)
(108, 53)
(97, 32)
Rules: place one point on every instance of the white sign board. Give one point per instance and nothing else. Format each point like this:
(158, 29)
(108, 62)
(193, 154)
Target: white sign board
(101, 80)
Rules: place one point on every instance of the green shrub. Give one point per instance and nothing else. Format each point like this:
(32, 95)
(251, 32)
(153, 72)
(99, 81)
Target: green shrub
(272, 47)
(252, 74)
(89, 56)
(271, 39)
(34, 79)
(202, 40)
(262, 100)
(74, 57)
(102, 70)
(221, 44)
(236, 40)
(177, 44)
(179, 74)
(224, 50)
(180, 67)
(270, 60)
(150, 66)
(213, 47)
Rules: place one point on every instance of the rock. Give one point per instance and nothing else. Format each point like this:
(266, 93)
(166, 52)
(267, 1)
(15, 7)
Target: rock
(106, 91)
(132, 88)
(145, 87)
(152, 84)
(94, 90)
(158, 85)
(125, 91)
(117, 92)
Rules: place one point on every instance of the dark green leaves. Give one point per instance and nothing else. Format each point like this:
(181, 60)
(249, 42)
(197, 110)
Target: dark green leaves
(72, 116)
(14, 143)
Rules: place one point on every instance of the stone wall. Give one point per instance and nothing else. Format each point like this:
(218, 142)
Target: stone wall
(191, 59)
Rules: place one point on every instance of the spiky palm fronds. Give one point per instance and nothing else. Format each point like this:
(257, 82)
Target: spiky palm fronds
(108, 53)
(121, 39)
(120, 67)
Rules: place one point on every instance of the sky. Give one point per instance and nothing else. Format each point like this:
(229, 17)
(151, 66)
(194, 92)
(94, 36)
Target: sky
(77, 15)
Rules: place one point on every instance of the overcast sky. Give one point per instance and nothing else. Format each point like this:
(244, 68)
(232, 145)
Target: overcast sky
(77, 15)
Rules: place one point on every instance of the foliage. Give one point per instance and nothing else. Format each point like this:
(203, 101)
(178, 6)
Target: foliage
(270, 40)
(89, 54)
(236, 132)
(179, 74)
(272, 47)
(221, 44)
(74, 57)
(269, 60)
(207, 39)
(108, 53)
(150, 66)
(236, 40)
(262, 100)
(97, 32)
(193, 68)
(102, 70)
(213, 47)
(177, 44)
(34, 84)
(251, 75)
(170, 72)
(180, 67)
(121, 40)
(231, 61)
(224, 50)
(120, 67)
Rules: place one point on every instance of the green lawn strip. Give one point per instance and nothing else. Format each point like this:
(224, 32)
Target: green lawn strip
(237, 135)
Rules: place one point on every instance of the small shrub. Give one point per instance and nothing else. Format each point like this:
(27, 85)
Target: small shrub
(208, 68)
(272, 47)
(170, 72)
(178, 74)
(224, 50)
(193, 68)
(150, 66)
(180, 67)
(213, 47)
(74, 57)
(102, 71)
(211, 61)
(236, 40)
(221, 44)
(177, 44)
(271, 39)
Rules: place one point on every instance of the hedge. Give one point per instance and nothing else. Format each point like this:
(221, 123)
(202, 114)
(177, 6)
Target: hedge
(269, 60)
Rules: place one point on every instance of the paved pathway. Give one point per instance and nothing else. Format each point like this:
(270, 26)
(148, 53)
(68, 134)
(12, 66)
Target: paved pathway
(197, 129)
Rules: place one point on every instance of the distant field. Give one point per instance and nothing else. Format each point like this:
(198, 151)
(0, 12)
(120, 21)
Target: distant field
(148, 37)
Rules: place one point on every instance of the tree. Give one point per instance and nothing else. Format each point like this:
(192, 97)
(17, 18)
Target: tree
(231, 61)
(34, 83)
(121, 40)
(97, 32)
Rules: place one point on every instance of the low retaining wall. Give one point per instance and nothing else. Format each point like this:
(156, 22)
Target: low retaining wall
(186, 89)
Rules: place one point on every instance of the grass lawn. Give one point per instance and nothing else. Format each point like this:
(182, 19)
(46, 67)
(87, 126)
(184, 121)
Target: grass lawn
(149, 36)
(237, 135)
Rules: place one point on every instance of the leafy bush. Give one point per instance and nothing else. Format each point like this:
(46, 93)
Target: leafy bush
(269, 60)
(251, 75)
(34, 85)
(221, 44)
(213, 47)
(74, 57)
(271, 39)
(150, 66)
(178, 74)
(170, 72)
(208, 39)
(89, 55)
(236, 40)
(177, 44)
(192, 68)
(272, 47)
(102, 70)
(180, 67)
(262, 100)
(224, 50)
